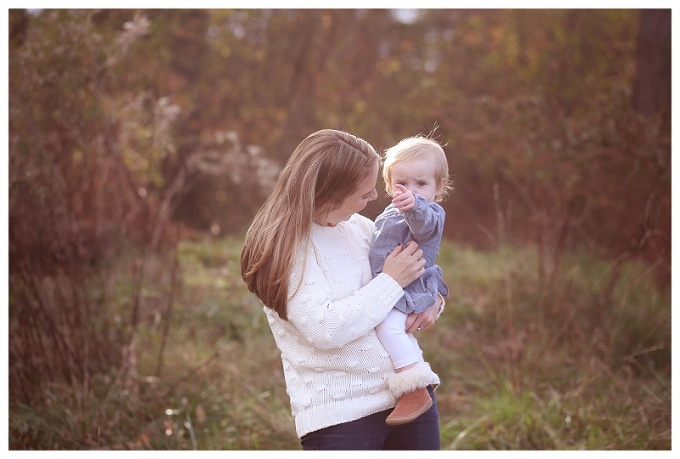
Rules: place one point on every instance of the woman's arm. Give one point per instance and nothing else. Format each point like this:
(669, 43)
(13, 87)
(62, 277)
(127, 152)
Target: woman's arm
(326, 321)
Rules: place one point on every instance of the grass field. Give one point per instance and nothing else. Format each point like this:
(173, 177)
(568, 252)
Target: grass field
(577, 361)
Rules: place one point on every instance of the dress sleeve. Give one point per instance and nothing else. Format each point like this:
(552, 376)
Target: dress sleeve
(385, 239)
(425, 219)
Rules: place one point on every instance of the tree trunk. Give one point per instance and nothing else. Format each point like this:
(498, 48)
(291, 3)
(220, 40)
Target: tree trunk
(652, 85)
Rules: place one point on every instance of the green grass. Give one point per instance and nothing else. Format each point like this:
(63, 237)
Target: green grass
(524, 363)
(535, 366)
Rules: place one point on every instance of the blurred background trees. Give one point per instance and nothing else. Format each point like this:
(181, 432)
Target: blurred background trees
(565, 113)
(135, 128)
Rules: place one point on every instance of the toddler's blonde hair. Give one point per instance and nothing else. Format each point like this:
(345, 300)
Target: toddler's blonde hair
(415, 148)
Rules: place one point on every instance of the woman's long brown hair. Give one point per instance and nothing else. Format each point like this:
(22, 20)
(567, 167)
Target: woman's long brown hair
(324, 169)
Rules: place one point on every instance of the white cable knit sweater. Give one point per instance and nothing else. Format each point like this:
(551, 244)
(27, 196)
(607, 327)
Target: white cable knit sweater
(335, 368)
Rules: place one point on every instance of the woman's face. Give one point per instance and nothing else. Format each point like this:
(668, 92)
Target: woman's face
(356, 202)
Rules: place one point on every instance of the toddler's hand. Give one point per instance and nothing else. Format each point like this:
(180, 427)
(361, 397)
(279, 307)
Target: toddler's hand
(402, 198)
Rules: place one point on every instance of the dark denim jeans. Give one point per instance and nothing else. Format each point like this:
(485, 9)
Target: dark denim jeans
(371, 433)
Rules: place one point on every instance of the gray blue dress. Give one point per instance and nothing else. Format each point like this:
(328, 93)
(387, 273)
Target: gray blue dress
(423, 224)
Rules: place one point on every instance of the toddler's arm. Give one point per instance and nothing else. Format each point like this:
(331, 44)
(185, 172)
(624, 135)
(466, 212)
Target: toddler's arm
(425, 219)
(403, 199)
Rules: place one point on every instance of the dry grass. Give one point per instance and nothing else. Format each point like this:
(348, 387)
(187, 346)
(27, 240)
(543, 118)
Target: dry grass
(524, 365)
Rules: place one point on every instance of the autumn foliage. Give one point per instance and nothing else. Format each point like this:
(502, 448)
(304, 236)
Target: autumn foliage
(130, 130)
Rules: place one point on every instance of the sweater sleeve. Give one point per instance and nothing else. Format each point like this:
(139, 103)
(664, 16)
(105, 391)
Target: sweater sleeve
(326, 322)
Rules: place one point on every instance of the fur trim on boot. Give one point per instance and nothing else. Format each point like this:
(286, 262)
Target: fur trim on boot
(421, 375)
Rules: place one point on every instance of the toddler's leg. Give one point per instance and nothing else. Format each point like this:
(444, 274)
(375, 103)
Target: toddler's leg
(395, 340)
(409, 383)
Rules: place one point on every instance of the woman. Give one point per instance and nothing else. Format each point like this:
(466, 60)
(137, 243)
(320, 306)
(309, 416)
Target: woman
(306, 258)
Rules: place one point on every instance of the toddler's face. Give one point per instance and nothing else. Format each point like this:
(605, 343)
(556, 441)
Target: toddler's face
(417, 176)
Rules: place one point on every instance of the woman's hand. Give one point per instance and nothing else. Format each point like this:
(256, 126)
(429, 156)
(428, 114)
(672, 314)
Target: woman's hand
(423, 320)
(405, 265)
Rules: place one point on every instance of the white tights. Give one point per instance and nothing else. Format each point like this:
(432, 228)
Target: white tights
(401, 346)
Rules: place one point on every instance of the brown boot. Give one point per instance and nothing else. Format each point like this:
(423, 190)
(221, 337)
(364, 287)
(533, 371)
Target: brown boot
(409, 407)
(409, 388)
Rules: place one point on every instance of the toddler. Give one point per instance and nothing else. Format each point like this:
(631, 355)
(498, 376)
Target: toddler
(416, 175)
